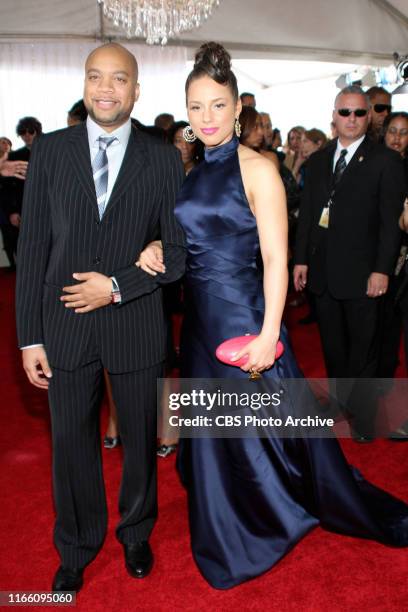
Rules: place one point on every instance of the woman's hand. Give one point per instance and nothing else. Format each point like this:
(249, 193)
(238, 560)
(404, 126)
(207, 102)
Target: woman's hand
(261, 354)
(151, 258)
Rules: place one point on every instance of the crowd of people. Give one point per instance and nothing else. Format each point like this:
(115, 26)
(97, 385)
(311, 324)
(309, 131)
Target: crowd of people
(132, 207)
(292, 160)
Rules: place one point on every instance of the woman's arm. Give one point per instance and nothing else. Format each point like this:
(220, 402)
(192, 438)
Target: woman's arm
(267, 199)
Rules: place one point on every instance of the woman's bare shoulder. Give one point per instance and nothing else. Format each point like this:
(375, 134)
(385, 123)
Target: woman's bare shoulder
(255, 163)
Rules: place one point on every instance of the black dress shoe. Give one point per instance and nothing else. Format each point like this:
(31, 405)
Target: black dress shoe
(68, 579)
(362, 439)
(166, 449)
(400, 434)
(138, 558)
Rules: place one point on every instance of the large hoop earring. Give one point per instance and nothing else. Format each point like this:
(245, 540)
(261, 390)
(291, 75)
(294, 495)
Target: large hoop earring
(237, 127)
(188, 134)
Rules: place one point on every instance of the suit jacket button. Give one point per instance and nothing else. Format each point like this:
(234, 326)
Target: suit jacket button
(97, 260)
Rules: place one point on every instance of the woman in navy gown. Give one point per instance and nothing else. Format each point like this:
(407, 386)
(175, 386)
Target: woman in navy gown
(251, 500)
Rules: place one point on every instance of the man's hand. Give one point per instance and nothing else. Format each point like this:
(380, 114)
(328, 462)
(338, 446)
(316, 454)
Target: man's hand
(300, 277)
(36, 366)
(15, 219)
(94, 292)
(377, 284)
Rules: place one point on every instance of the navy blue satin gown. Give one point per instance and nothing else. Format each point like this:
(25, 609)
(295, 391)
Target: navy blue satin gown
(251, 500)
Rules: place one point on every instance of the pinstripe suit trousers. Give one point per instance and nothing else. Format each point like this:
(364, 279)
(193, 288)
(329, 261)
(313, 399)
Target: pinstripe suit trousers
(79, 492)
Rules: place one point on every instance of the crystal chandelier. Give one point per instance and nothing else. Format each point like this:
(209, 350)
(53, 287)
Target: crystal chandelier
(401, 63)
(157, 20)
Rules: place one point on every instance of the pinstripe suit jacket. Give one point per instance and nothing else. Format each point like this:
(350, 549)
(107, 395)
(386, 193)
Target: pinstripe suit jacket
(61, 233)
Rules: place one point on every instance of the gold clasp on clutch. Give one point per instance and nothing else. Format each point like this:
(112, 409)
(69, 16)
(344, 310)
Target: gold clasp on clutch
(254, 375)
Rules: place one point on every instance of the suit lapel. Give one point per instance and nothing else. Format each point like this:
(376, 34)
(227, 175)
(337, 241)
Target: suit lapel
(134, 160)
(329, 150)
(78, 152)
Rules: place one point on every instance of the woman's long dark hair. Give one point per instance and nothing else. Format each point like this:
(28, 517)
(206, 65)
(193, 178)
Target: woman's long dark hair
(247, 120)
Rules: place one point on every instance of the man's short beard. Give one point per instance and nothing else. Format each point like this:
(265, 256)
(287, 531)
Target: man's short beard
(111, 121)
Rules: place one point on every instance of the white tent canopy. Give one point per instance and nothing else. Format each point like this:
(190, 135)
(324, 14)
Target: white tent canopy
(43, 46)
(354, 31)
(44, 43)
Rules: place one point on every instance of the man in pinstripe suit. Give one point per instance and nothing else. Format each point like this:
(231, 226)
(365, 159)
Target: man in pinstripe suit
(95, 195)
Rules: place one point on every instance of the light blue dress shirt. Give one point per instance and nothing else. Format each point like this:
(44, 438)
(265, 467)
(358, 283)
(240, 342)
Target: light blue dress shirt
(115, 152)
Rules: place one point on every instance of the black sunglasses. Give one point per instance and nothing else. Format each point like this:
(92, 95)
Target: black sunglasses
(380, 108)
(346, 112)
(26, 131)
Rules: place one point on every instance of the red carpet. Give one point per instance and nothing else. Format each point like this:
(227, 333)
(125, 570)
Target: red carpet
(324, 573)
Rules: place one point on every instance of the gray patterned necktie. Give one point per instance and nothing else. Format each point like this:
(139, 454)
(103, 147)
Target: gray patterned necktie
(340, 166)
(100, 172)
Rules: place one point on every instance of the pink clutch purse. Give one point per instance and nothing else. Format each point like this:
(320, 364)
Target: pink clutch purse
(228, 349)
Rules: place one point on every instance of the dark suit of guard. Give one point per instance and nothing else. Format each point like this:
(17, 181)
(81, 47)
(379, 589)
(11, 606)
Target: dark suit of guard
(363, 237)
(62, 233)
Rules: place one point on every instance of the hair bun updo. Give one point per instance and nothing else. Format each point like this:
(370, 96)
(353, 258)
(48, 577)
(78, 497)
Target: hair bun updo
(214, 61)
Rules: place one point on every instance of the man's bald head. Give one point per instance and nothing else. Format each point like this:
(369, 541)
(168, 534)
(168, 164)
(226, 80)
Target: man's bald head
(115, 48)
(111, 86)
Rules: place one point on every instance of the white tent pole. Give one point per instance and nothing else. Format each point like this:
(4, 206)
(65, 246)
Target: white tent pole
(324, 77)
(101, 23)
(391, 10)
(278, 51)
(296, 53)
(239, 72)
